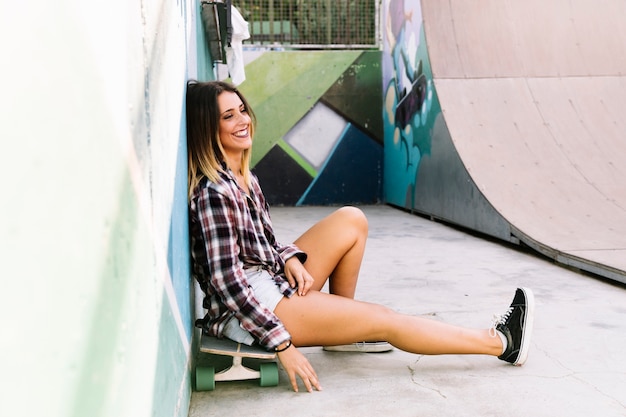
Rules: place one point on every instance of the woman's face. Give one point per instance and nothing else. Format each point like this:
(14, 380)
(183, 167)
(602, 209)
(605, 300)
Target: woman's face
(234, 128)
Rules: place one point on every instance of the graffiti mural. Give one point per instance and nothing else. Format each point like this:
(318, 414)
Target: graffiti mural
(319, 138)
(410, 105)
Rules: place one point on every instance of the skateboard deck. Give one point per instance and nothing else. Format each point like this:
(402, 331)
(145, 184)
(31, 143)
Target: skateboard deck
(237, 371)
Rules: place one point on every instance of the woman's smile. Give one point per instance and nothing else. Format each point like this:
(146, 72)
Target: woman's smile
(242, 133)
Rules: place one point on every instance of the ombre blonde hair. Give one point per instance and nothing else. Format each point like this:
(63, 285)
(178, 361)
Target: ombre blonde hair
(204, 149)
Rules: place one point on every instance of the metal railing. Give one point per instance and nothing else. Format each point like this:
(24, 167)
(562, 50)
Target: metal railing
(311, 24)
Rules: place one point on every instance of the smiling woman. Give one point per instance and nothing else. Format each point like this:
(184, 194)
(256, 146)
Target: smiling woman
(234, 133)
(228, 119)
(258, 291)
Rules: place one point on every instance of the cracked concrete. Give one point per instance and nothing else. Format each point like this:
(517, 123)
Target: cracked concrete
(575, 366)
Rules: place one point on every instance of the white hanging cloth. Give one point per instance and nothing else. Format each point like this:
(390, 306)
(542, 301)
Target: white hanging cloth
(234, 53)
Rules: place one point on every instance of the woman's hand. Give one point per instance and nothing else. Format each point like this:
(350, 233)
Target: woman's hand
(297, 275)
(296, 364)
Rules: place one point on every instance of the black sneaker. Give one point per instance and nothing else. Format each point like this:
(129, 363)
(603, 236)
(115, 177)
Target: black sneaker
(516, 324)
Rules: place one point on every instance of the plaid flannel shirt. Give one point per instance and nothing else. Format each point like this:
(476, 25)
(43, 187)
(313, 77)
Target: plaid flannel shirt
(231, 231)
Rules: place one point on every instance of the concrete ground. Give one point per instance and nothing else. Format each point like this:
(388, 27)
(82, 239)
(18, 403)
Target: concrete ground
(576, 364)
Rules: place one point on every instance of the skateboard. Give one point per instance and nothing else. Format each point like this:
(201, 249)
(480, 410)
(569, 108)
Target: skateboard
(206, 375)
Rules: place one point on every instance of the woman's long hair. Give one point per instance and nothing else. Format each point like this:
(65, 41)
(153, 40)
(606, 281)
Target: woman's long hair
(204, 148)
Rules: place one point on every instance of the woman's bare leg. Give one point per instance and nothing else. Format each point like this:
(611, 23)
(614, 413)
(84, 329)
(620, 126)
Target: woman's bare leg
(335, 247)
(325, 319)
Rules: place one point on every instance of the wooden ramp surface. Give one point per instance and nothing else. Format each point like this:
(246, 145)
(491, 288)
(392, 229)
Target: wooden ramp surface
(533, 95)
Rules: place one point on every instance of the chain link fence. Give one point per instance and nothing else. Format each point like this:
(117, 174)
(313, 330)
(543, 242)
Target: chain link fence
(311, 24)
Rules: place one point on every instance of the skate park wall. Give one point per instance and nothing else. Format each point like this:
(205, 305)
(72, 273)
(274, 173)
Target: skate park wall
(95, 303)
(319, 137)
(505, 119)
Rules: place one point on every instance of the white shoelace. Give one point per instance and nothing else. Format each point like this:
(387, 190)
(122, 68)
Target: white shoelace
(499, 319)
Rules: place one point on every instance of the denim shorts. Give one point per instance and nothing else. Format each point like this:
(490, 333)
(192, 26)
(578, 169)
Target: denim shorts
(266, 292)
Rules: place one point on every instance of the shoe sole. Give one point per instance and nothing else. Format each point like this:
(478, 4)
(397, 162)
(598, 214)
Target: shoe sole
(360, 348)
(528, 327)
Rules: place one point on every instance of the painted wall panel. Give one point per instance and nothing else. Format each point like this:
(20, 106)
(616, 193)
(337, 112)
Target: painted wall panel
(283, 86)
(410, 105)
(357, 94)
(303, 101)
(95, 300)
(350, 172)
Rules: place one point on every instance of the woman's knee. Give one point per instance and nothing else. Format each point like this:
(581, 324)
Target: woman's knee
(355, 217)
(385, 321)
(382, 312)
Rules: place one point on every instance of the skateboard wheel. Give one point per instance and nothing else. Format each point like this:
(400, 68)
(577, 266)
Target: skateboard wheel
(205, 378)
(269, 374)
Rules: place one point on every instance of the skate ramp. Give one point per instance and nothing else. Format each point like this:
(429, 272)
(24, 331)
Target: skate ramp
(532, 96)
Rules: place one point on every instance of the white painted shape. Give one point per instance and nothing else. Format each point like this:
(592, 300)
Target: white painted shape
(316, 134)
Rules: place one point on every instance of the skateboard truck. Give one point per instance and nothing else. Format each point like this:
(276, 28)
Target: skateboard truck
(237, 371)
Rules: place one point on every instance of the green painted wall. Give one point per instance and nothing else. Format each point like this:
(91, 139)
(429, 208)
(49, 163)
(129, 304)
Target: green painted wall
(95, 305)
(318, 138)
(284, 86)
